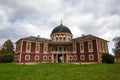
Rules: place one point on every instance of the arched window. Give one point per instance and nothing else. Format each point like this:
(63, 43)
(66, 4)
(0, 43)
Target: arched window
(60, 38)
(56, 38)
(64, 38)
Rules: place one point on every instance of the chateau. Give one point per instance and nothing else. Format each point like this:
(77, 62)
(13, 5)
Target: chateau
(61, 48)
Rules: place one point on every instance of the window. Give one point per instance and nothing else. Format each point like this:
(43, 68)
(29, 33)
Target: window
(27, 57)
(37, 47)
(74, 48)
(56, 38)
(70, 57)
(49, 57)
(64, 38)
(28, 47)
(90, 47)
(82, 57)
(81, 47)
(74, 57)
(36, 57)
(44, 57)
(100, 46)
(91, 57)
(60, 38)
(45, 48)
(103, 47)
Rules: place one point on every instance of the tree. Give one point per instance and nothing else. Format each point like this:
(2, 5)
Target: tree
(8, 47)
(116, 50)
(107, 58)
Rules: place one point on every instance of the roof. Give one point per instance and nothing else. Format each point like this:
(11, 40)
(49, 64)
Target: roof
(61, 28)
(33, 38)
(85, 37)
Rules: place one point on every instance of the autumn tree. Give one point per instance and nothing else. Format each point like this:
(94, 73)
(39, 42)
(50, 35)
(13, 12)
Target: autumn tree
(8, 47)
(7, 52)
(116, 50)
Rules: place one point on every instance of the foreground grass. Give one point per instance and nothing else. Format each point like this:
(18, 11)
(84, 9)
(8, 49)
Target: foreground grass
(60, 72)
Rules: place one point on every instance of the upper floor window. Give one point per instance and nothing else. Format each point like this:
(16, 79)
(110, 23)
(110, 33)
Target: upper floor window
(81, 47)
(45, 48)
(37, 47)
(90, 46)
(74, 48)
(103, 47)
(28, 47)
(56, 38)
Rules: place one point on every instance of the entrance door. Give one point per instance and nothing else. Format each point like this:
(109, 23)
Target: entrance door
(60, 58)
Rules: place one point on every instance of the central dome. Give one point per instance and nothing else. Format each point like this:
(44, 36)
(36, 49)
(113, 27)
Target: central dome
(61, 28)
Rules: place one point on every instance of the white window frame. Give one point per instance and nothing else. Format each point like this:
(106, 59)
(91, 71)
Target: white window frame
(38, 58)
(49, 57)
(28, 43)
(70, 57)
(90, 57)
(45, 47)
(82, 43)
(37, 45)
(82, 57)
(26, 57)
(90, 42)
(74, 48)
(44, 57)
(75, 57)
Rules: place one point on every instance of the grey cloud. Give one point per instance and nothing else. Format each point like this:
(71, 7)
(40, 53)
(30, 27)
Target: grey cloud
(97, 17)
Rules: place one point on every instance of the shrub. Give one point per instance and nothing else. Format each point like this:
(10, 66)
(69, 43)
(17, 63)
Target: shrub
(107, 58)
(6, 58)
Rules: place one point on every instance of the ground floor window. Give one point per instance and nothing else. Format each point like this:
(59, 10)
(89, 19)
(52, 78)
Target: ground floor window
(27, 57)
(74, 57)
(44, 57)
(70, 57)
(36, 58)
(49, 57)
(82, 57)
(91, 57)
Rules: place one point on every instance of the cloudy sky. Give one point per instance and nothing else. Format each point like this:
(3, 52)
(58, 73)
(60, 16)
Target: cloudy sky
(23, 18)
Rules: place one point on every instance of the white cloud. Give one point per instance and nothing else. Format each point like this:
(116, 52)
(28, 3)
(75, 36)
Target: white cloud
(38, 17)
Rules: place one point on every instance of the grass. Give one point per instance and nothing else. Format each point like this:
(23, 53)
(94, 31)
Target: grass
(11, 71)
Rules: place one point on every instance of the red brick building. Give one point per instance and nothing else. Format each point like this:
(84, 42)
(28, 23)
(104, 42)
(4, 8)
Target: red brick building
(60, 48)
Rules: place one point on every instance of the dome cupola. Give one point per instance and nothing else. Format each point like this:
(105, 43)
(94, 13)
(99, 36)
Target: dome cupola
(61, 33)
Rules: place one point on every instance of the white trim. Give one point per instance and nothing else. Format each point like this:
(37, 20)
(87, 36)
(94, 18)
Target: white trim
(28, 43)
(70, 57)
(45, 47)
(75, 57)
(82, 57)
(49, 57)
(35, 58)
(21, 50)
(91, 55)
(37, 45)
(90, 42)
(44, 57)
(26, 57)
(74, 48)
(82, 44)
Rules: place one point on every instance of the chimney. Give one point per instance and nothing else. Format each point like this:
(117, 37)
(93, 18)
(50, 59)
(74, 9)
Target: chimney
(82, 35)
(38, 36)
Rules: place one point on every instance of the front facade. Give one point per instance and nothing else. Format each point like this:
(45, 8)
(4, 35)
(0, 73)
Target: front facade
(62, 47)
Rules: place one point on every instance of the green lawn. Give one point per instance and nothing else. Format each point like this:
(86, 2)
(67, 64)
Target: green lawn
(11, 71)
